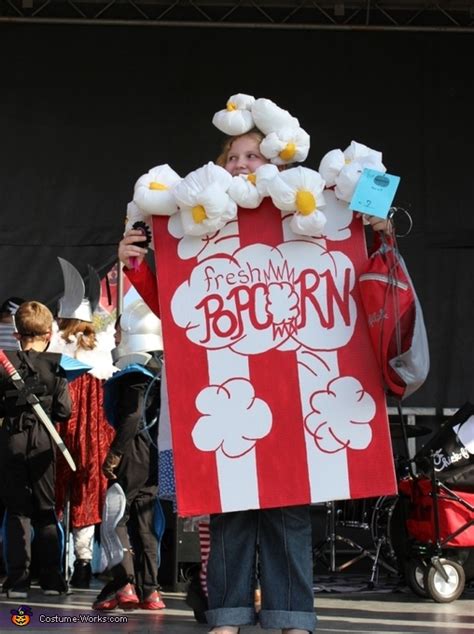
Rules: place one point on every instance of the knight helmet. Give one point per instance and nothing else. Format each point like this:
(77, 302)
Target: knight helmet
(74, 304)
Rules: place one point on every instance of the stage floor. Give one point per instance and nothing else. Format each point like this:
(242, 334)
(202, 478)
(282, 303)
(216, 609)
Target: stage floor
(343, 606)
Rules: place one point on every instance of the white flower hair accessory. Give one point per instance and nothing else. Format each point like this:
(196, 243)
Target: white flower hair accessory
(204, 203)
(288, 145)
(153, 192)
(236, 118)
(343, 169)
(300, 190)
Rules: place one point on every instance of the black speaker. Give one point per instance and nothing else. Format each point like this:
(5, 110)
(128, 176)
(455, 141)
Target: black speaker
(180, 551)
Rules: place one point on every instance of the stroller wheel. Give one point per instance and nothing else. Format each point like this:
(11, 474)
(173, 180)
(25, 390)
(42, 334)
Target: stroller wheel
(415, 576)
(447, 587)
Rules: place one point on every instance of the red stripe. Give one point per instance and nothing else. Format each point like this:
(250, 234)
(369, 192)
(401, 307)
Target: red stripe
(371, 470)
(281, 456)
(186, 369)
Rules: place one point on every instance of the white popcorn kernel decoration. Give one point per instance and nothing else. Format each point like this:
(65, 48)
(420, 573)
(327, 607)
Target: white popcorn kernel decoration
(356, 151)
(331, 166)
(342, 170)
(205, 206)
(288, 145)
(135, 214)
(236, 118)
(244, 192)
(300, 190)
(153, 192)
(264, 174)
(357, 158)
(269, 117)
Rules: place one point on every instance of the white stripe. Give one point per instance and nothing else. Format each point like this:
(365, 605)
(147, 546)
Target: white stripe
(328, 473)
(237, 477)
(238, 483)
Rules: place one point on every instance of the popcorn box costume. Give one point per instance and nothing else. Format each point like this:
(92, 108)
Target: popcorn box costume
(274, 391)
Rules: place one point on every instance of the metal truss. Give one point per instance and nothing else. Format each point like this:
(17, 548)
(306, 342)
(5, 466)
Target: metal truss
(393, 15)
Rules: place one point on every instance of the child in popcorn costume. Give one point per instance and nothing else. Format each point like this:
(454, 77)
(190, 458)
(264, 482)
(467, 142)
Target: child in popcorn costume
(132, 518)
(263, 141)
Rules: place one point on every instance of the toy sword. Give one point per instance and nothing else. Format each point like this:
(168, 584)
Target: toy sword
(37, 408)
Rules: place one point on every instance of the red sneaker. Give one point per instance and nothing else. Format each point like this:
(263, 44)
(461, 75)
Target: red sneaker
(127, 597)
(109, 603)
(153, 602)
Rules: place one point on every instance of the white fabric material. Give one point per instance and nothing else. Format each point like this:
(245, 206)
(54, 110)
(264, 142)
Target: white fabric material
(344, 169)
(284, 190)
(347, 180)
(157, 202)
(236, 118)
(275, 142)
(269, 117)
(114, 508)
(100, 358)
(206, 187)
(331, 165)
(265, 174)
(83, 540)
(244, 192)
(311, 225)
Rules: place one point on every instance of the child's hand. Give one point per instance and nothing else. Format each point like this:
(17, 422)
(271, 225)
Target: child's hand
(377, 223)
(111, 462)
(129, 253)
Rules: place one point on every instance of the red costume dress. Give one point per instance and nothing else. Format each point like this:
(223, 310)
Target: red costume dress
(87, 436)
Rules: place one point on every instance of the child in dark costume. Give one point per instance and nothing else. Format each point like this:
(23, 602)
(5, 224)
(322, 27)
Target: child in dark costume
(27, 455)
(132, 510)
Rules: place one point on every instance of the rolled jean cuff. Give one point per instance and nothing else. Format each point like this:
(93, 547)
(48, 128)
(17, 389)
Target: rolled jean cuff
(285, 619)
(231, 616)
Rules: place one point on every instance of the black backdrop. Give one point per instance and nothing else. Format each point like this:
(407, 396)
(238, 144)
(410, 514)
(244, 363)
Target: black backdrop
(84, 111)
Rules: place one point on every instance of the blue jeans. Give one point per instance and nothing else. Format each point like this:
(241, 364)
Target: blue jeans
(285, 565)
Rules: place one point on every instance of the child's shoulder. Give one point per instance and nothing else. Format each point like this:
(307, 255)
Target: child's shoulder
(28, 361)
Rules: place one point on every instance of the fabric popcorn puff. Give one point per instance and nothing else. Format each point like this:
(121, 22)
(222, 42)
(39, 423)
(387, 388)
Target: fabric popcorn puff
(248, 190)
(135, 214)
(236, 118)
(204, 203)
(342, 170)
(285, 141)
(153, 192)
(300, 190)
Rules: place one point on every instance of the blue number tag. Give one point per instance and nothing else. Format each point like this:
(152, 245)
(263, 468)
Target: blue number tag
(374, 193)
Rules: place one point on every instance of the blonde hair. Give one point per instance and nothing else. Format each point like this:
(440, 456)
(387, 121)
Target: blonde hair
(83, 331)
(227, 145)
(33, 320)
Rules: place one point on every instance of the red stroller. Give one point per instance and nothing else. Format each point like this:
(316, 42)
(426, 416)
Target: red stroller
(440, 511)
(440, 526)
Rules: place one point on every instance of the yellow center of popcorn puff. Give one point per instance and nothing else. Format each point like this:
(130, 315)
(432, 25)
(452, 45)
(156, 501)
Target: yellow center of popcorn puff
(199, 214)
(305, 203)
(252, 178)
(288, 152)
(157, 186)
(231, 106)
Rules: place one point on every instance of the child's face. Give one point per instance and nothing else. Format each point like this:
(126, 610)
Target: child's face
(244, 156)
